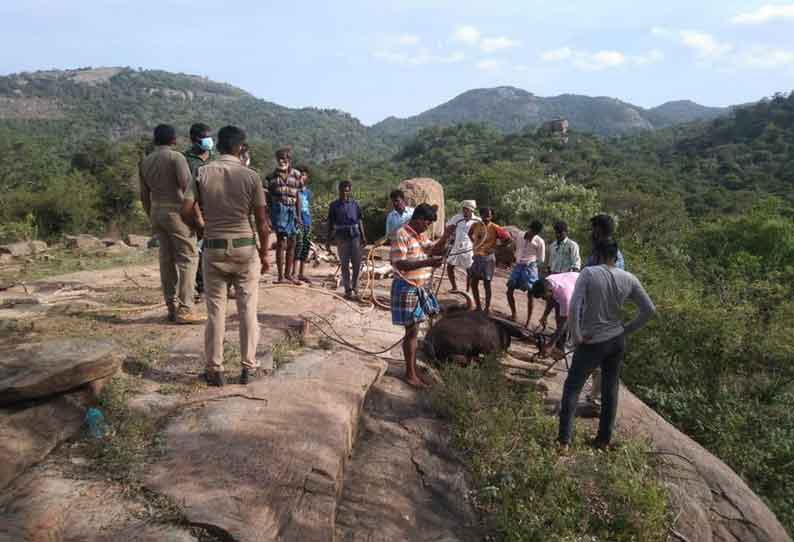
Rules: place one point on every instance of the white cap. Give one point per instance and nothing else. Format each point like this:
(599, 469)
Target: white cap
(469, 204)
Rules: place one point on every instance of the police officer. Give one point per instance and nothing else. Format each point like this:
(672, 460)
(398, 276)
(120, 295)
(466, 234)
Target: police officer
(201, 145)
(164, 177)
(228, 193)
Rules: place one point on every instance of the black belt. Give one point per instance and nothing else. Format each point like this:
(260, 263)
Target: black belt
(224, 243)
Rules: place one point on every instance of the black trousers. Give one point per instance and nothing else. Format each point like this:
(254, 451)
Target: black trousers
(609, 356)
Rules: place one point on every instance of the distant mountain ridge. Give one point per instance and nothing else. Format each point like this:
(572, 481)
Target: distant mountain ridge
(123, 102)
(117, 102)
(511, 109)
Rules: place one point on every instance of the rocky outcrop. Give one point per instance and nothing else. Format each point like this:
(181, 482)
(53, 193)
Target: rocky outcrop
(268, 464)
(403, 483)
(29, 433)
(31, 371)
(83, 242)
(713, 504)
(137, 241)
(47, 505)
(426, 190)
(23, 248)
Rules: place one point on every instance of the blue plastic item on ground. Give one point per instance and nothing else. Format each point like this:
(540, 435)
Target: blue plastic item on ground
(95, 420)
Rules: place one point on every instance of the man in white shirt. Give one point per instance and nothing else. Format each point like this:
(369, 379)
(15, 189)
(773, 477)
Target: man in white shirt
(597, 329)
(564, 252)
(530, 253)
(462, 252)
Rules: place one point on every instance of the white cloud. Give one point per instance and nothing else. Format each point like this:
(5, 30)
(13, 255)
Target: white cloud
(489, 65)
(556, 55)
(467, 34)
(765, 14)
(489, 45)
(421, 58)
(652, 57)
(705, 45)
(408, 39)
(599, 60)
(766, 58)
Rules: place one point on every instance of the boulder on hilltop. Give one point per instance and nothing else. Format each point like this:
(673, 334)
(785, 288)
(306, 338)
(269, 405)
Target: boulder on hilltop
(426, 190)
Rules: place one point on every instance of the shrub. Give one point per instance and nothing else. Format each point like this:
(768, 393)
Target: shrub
(523, 489)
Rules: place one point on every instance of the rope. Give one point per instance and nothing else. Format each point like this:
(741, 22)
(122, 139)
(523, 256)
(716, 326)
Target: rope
(340, 340)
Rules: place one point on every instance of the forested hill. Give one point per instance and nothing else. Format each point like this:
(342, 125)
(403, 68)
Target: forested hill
(122, 102)
(722, 166)
(510, 110)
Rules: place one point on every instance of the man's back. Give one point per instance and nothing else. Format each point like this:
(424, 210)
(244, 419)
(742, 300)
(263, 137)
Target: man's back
(228, 192)
(562, 288)
(166, 173)
(598, 299)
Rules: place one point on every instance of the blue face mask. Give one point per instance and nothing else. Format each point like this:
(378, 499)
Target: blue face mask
(206, 144)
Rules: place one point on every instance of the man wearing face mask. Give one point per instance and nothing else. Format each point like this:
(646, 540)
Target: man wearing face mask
(201, 145)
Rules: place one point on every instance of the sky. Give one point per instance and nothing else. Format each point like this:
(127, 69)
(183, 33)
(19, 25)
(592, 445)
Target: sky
(380, 58)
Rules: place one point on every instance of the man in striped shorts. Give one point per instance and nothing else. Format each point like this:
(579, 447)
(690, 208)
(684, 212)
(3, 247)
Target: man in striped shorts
(413, 257)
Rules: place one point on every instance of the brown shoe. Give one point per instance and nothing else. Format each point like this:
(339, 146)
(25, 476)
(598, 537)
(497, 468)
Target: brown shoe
(188, 317)
(214, 378)
(248, 375)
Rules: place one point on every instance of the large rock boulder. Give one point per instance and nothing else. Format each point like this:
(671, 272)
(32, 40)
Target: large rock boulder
(426, 190)
(506, 252)
(137, 241)
(48, 505)
(28, 434)
(37, 370)
(83, 242)
(23, 248)
(712, 503)
(267, 465)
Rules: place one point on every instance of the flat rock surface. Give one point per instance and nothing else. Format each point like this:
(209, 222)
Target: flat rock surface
(47, 505)
(268, 467)
(29, 433)
(39, 370)
(402, 482)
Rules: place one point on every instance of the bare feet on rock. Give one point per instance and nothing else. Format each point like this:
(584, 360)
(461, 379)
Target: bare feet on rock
(416, 382)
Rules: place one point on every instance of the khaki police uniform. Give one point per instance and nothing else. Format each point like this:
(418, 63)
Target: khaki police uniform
(163, 173)
(228, 192)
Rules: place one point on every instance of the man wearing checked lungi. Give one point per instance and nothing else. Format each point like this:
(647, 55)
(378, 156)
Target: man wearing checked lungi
(413, 257)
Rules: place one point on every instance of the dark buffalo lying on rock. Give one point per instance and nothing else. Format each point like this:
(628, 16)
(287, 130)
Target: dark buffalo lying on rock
(470, 334)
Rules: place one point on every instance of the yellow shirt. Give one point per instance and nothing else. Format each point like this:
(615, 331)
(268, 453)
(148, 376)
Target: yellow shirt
(484, 238)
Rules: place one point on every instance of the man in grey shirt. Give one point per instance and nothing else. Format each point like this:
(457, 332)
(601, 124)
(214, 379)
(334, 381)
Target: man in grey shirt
(597, 329)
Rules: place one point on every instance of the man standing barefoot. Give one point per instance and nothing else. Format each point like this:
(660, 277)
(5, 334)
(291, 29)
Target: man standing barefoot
(304, 239)
(414, 257)
(530, 253)
(283, 188)
(461, 255)
(484, 236)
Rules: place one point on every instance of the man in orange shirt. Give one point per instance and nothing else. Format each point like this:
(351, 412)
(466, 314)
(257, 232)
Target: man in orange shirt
(484, 236)
(414, 257)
